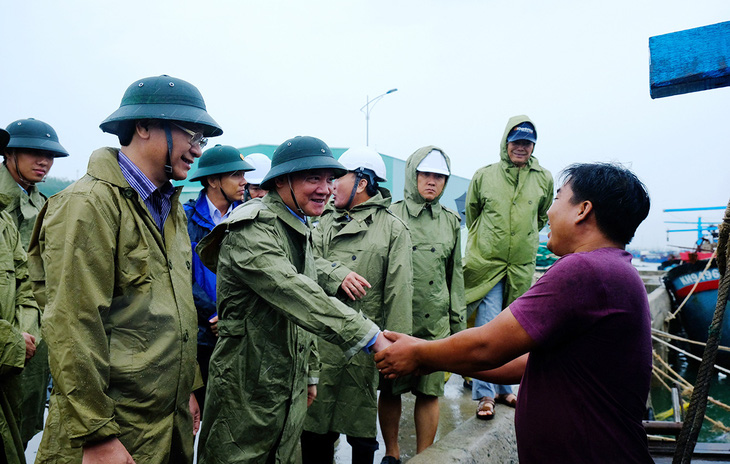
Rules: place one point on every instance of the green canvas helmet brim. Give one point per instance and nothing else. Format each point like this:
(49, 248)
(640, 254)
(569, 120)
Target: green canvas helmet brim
(302, 164)
(34, 134)
(165, 98)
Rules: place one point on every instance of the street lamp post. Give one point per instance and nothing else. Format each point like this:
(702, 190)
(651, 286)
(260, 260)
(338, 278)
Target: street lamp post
(367, 107)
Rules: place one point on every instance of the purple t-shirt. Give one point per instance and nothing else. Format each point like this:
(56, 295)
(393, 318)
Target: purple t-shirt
(583, 394)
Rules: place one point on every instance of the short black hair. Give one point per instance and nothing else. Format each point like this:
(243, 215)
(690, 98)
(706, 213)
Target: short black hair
(372, 184)
(620, 200)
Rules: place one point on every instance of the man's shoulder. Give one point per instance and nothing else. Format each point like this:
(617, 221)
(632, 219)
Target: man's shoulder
(398, 223)
(488, 168)
(451, 215)
(252, 210)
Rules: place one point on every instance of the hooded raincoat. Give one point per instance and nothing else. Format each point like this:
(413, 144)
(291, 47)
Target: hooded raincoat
(24, 208)
(506, 207)
(15, 295)
(120, 321)
(373, 242)
(438, 282)
(269, 307)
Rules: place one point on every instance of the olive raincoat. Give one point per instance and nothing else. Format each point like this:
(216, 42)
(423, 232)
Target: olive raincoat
(505, 209)
(24, 208)
(15, 296)
(438, 282)
(120, 321)
(373, 242)
(269, 305)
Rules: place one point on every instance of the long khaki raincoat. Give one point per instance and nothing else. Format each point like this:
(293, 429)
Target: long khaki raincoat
(24, 208)
(15, 296)
(438, 282)
(120, 321)
(373, 242)
(505, 209)
(269, 305)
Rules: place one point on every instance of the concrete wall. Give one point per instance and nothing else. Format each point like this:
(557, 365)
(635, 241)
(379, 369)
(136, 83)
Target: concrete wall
(476, 442)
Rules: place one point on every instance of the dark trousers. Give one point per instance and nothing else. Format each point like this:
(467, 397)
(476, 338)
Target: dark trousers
(320, 448)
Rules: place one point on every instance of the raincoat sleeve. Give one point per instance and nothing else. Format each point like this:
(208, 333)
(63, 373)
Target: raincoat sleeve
(545, 203)
(30, 314)
(473, 201)
(259, 261)
(330, 274)
(80, 234)
(398, 289)
(12, 348)
(455, 281)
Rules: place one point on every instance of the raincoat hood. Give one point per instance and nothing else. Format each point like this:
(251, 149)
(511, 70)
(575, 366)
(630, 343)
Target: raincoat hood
(414, 200)
(513, 121)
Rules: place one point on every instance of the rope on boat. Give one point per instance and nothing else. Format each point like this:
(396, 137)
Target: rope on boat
(692, 290)
(698, 403)
(690, 355)
(688, 388)
(663, 334)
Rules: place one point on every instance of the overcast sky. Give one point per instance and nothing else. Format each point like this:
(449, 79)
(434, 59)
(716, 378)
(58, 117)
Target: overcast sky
(270, 70)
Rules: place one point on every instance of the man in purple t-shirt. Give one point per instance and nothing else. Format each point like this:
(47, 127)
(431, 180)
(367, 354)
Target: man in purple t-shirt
(579, 341)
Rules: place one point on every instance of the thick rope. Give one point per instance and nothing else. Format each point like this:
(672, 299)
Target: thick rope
(669, 336)
(698, 403)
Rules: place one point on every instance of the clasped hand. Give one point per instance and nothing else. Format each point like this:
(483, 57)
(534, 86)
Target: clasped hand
(400, 358)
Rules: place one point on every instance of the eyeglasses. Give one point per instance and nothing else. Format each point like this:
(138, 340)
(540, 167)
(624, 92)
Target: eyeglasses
(196, 138)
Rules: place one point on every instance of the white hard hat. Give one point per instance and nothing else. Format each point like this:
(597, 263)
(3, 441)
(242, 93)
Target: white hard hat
(261, 164)
(364, 157)
(433, 162)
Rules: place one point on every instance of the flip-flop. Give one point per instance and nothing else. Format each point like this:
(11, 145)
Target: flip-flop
(486, 404)
(510, 399)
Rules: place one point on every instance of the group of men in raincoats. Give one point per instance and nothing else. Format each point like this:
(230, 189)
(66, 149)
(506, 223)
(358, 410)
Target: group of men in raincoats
(28, 147)
(298, 310)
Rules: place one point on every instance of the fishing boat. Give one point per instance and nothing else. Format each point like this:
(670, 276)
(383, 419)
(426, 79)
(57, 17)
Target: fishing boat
(692, 282)
(694, 286)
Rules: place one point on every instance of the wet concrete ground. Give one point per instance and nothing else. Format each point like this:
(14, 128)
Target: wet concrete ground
(455, 407)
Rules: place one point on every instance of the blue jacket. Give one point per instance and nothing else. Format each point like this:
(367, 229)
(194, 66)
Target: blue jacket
(199, 225)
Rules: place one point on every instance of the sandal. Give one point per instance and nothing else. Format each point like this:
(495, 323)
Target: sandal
(510, 399)
(486, 407)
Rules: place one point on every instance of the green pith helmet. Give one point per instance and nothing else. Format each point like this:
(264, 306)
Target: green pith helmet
(35, 135)
(165, 98)
(4, 137)
(302, 153)
(219, 160)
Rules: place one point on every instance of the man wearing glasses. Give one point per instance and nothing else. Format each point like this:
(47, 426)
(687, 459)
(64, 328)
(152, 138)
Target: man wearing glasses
(120, 321)
(221, 170)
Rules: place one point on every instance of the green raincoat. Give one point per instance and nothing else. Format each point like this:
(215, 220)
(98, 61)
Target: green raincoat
(120, 320)
(373, 242)
(15, 297)
(438, 282)
(24, 208)
(505, 209)
(269, 305)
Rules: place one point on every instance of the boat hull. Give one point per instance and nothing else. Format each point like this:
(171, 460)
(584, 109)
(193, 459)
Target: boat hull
(698, 311)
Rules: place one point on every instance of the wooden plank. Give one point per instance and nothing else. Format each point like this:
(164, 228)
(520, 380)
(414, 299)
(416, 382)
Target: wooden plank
(690, 61)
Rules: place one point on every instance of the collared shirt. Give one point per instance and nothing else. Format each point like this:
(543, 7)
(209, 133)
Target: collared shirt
(303, 219)
(158, 200)
(215, 214)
